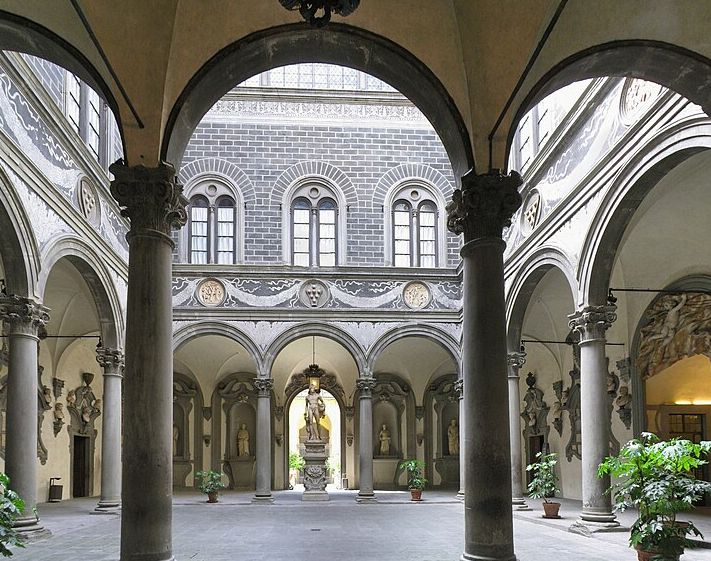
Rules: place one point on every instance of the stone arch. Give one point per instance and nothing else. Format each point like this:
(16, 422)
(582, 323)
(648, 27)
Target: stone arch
(18, 246)
(311, 169)
(98, 278)
(335, 44)
(199, 328)
(312, 328)
(446, 341)
(529, 274)
(26, 36)
(411, 172)
(681, 70)
(646, 168)
(240, 182)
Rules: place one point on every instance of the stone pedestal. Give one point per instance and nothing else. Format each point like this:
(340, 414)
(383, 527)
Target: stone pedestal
(24, 319)
(480, 210)
(153, 201)
(315, 471)
(243, 472)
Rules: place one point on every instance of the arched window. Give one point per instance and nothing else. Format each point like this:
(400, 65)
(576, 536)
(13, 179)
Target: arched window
(414, 229)
(314, 228)
(212, 228)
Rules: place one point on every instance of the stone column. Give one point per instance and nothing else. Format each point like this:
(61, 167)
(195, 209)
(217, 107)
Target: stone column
(263, 493)
(24, 319)
(365, 439)
(591, 323)
(111, 360)
(153, 201)
(516, 360)
(459, 388)
(480, 210)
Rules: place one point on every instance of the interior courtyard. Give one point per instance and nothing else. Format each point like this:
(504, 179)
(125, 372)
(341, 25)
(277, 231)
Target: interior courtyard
(301, 244)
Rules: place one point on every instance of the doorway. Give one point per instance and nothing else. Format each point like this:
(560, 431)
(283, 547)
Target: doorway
(80, 466)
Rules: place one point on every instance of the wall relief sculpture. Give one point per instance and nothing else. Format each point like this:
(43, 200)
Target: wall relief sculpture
(535, 419)
(678, 326)
(623, 401)
(570, 400)
(83, 406)
(44, 403)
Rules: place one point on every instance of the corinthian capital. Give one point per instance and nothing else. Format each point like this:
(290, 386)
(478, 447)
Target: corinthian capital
(110, 359)
(150, 197)
(516, 360)
(484, 205)
(591, 322)
(23, 315)
(264, 385)
(365, 386)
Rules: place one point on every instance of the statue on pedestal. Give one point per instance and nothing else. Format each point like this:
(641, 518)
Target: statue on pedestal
(243, 441)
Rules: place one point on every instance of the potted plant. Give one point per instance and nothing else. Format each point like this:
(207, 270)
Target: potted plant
(11, 506)
(545, 482)
(296, 464)
(210, 482)
(415, 479)
(656, 477)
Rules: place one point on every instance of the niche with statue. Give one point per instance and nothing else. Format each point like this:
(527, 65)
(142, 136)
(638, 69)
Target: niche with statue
(445, 428)
(390, 399)
(185, 393)
(239, 405)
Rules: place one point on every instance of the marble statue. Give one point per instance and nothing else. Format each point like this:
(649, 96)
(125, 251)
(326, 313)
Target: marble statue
(453, 437)
(315, 410)
(384, 438)
(243, 441)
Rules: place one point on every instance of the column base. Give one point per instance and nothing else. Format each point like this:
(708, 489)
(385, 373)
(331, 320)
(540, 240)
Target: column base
(519, 504)
(366, 498)
(588, 528)
(108, 507)
(470, 557)
(31, 529)
(262, 500)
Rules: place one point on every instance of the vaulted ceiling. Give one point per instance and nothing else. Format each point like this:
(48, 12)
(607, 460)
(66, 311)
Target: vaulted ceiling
(144, 55)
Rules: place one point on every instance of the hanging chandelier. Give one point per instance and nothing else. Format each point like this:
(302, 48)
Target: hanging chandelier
(317, 13)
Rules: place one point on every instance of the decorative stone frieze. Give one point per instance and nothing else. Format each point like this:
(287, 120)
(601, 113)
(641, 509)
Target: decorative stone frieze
(484, 205)
(24, 315)
(150, 197)
(592, 322)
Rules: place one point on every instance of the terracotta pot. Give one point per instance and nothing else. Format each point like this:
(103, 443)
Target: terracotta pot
(212, 497)
(416, 495)
(551, 510)
(650, 556)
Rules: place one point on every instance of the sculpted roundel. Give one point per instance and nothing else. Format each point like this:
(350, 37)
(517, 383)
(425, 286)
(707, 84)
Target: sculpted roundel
(416, 295)
(211, 292)
(88, 200)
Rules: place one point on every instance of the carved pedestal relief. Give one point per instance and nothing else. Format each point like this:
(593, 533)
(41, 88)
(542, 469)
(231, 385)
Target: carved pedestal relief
(83, 407)
(535, 420)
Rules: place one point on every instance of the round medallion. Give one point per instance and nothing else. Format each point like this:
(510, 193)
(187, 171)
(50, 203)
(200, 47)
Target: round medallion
(416, 295)
(637, 97)
(211, 190)
(314, 293)
(314, 192)
(530, 213)
(88, 200)
(211, 292)
(414, 194)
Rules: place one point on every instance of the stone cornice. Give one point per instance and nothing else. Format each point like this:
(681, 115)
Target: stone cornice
(150, 197)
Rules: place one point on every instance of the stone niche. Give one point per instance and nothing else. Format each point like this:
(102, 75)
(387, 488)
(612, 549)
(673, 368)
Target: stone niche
(444, 408)
(184, 396)
(390, 405)
(239, 406)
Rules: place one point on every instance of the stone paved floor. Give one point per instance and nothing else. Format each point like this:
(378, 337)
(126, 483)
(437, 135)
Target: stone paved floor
(340, 530)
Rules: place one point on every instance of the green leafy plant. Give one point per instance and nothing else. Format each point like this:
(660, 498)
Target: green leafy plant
(656, 477)
(545, 480)
(296, 461)
(415, 476)
(209, 481)
(11, 506)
